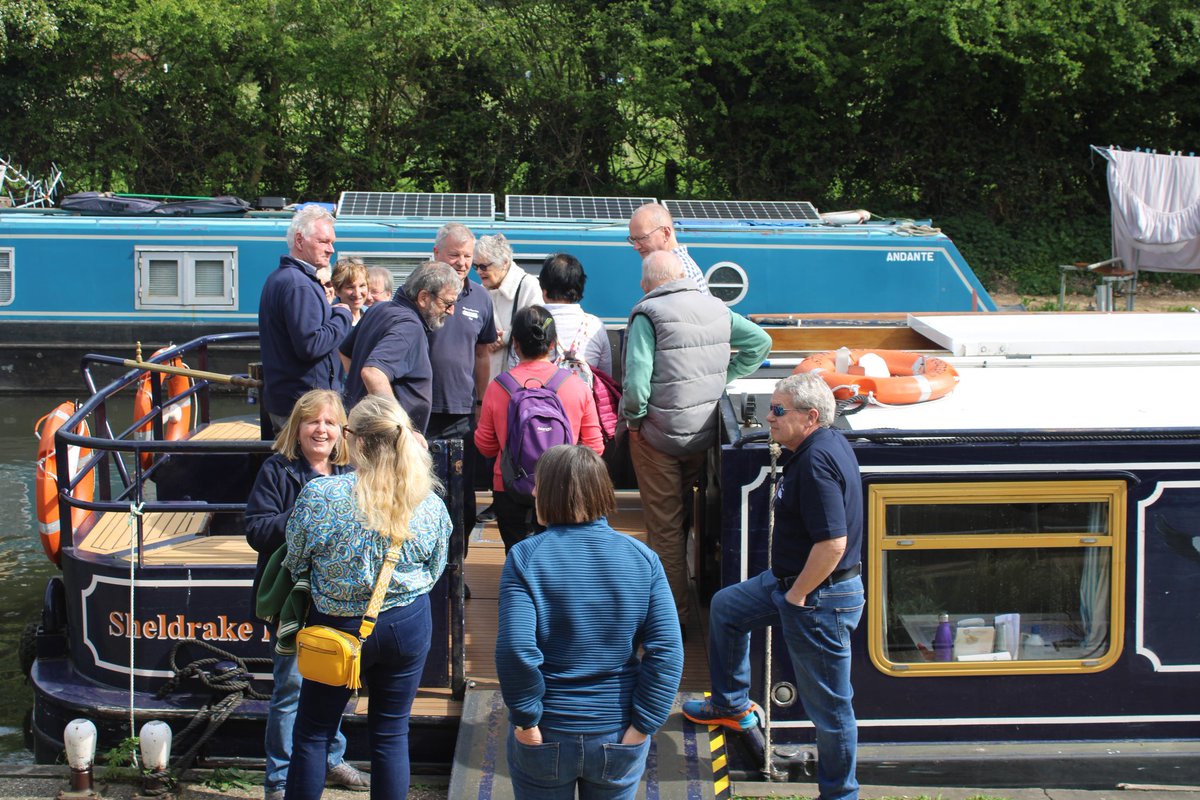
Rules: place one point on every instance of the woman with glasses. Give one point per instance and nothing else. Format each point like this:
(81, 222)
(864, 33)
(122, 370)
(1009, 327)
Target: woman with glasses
(511, 288)
(309, 446)
(588, 675)
(339, 533)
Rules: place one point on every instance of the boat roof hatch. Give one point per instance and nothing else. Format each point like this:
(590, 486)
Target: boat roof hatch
(1060, 334)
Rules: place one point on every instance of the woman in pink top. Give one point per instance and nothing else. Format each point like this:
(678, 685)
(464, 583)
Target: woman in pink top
(534, 339)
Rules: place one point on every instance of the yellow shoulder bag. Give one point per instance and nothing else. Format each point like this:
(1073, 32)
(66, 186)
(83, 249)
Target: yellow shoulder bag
(334, 657)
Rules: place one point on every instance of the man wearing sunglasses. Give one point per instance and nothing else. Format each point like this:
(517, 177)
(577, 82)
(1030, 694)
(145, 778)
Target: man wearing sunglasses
(679, 354)
(813, 591)
(652, 230)
(388, 352)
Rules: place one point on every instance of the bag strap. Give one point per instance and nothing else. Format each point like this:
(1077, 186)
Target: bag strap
(583, 335)
(513, 316)
(381, 584)
(556, 381)
(508, 383)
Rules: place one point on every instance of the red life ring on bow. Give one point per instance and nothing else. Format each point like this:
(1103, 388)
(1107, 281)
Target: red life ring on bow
(46, 478)
(177, 419)
(914, 378)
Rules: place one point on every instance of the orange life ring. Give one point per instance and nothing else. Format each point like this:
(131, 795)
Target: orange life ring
(46, 478)
(177, 419)
(914, 378)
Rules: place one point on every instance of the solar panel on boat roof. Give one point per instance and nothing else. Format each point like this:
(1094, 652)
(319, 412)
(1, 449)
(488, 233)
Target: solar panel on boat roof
(532, 207)
(781, 210)
(417, 204)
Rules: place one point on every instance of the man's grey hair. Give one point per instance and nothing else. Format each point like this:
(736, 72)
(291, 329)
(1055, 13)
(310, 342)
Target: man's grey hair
(453, 232)
(304, 220)
(808, 390)
(433, 277)
(494, 250)
(385, 275)
(660, 267)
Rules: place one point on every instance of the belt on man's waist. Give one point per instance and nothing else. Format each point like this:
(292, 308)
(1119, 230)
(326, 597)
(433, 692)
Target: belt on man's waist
(835, 577)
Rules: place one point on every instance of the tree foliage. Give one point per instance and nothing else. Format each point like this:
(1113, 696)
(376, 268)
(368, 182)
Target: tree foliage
(916, 107)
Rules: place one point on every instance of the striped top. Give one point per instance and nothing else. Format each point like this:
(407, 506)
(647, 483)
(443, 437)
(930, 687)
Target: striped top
(325, 535)
(576, 604)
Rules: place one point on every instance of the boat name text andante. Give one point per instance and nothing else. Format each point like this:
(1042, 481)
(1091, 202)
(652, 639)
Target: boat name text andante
(910, 255)
(222, 629)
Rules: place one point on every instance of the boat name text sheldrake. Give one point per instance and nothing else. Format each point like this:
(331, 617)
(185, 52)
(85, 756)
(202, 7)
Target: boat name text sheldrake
(910, 255)
(222, 629)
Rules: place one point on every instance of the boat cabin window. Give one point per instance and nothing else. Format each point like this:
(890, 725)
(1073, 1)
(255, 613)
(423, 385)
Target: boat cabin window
(196, 277)
(996, 577)
(6, 276)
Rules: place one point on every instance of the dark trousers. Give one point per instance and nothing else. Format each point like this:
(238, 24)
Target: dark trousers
(393, 658)
(460, 426)
(515, 520)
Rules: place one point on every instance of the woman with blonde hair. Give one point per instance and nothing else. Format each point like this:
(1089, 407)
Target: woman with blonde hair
(339, 533)
(588, 676)
(351, 286)
(511, 288)
(309, 446)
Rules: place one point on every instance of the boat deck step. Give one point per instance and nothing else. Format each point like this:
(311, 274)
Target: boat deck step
(680, 763)
(115, 530)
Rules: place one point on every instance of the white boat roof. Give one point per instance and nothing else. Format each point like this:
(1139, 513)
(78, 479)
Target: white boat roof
(1055, 371)
(1060, 334)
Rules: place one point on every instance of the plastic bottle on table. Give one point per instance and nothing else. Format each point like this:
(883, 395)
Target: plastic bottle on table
(943, 640)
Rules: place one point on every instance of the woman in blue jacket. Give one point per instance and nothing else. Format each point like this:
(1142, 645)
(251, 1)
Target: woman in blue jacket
(310, 445)
(577, 602)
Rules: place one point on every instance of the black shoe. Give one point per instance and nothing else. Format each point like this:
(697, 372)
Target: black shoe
(466, 592)
(487, 515)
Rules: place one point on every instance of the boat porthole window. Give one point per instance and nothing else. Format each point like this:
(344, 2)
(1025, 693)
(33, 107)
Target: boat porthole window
(728, 282)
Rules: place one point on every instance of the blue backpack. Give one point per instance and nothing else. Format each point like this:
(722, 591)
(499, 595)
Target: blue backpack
(537, 421)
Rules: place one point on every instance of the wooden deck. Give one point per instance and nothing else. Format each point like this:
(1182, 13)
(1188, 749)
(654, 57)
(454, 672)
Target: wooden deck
(485, 560)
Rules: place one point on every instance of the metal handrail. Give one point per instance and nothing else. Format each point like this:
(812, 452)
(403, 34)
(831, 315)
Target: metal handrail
(110, 445)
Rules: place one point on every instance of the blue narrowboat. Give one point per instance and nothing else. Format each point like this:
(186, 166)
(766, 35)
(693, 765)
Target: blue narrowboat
(73, 282)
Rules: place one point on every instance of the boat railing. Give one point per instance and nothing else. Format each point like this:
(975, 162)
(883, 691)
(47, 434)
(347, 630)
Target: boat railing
(119, 452)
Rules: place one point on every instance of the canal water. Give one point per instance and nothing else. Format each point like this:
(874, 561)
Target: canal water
(24, 568)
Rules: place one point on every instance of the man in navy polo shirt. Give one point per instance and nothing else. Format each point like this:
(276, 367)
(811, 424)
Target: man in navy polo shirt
(299, 332)
(461, 359)
(388, 353)
(813, 591)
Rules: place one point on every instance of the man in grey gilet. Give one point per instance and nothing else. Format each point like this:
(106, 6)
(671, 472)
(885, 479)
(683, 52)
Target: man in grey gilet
(679, 354)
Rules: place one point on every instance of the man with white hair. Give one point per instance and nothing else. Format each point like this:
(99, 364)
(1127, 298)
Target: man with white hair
(679, 355)
(299, 332)
(651, 230)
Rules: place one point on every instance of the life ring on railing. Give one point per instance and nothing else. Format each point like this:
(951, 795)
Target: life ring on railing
(177, 419)
(913, 378)
(46, 478)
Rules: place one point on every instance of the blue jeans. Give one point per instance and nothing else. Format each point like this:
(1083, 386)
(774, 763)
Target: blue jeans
(392, 660)
(597, 763)
(281, 719)
(818, 641)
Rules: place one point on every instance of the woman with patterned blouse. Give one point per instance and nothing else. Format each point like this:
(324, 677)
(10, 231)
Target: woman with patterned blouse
(339, 532)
